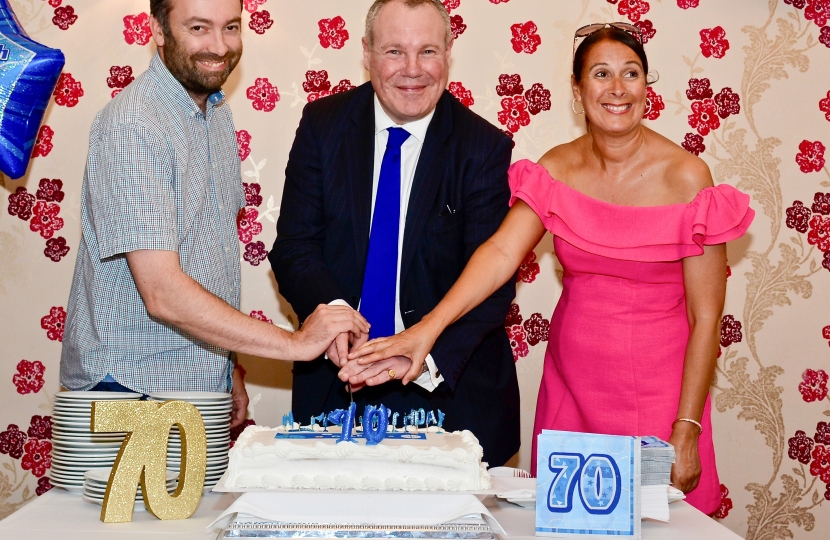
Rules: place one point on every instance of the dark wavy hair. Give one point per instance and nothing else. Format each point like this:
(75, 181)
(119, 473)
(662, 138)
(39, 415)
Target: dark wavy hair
(160, 9)
(607, 34)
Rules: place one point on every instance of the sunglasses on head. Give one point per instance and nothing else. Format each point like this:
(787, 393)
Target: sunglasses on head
(589, 29)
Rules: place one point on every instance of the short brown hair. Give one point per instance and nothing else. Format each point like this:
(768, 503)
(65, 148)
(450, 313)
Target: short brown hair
(375, 8)
(160, 9)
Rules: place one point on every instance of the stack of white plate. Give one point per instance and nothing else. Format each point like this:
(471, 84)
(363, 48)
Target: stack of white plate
(215, 408)
(75, 448)
(95, 486)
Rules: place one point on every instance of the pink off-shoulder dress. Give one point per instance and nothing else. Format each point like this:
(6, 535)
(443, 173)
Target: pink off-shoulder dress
(614, 361)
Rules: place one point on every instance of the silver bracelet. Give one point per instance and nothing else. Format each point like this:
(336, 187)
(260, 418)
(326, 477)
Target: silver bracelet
(695, 422)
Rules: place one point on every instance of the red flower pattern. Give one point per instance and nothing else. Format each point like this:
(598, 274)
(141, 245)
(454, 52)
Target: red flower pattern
(824, 39)
(67, 91)
(538, 99)
(821, 463)
(45, 219)
(686, 4)
(43, 485)
(525, 39)
(647, 30)
(137, 29)
(260, 22)
(514, 317)
(252, 5)
(821, 203)
(11, 441)
(316, 81)
(699, 89)
(798, 4)
(29, 377)
(451, 4)
(725, 501)
(263, 95)
(824, 104)
(333, 32)
(510, 85)
(817, 11)
(529, 269)
(819, 234)
(246, 224)
(516, 335)
(800, 447)
(461, 94)
(37, 456)
(633, 9)
(120, 77)
(21, 203)
(252, 196)
(825, 332)
(822, 435)
(798, 217)
(704, 116)
(43, 143)
(50, 190)
(343, 86)
(54, 323)
(654, 104)
(56, 248)
(55, 3)
(825, 263)
(457, 26)
(813, 387)
(64, 17)
(499, 1)
(537, 329)
(513, 113)
(810, 157)
(713, 42)
(243, 143)
(728, 103)
(260, 316)
(730, 331)
(255, 253)
(40, 427)
(693, 143)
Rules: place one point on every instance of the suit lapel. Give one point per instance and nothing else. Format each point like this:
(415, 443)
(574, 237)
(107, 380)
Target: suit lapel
(429, 174)
(357, 162)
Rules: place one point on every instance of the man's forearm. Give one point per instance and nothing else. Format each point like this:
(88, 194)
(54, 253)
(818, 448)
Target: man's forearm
(174, 297)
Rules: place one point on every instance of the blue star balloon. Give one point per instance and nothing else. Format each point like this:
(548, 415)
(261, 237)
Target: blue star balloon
(28, 74)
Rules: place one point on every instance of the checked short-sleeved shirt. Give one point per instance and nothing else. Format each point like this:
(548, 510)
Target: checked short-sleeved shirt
(160, 175)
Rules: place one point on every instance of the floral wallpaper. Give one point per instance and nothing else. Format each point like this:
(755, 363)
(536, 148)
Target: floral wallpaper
(743, 84)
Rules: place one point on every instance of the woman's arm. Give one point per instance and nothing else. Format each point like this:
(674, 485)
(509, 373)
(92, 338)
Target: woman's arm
(704, 279)
(492, 264)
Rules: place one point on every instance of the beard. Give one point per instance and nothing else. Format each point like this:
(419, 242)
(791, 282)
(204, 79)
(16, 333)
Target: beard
(185, 69)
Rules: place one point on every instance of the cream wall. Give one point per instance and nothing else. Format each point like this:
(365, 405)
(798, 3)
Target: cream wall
(778, 290)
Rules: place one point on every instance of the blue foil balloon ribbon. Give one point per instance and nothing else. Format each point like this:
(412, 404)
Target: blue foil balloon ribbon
(28, 74)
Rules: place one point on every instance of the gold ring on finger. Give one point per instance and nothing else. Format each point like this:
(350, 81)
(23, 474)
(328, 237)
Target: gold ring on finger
(391, 374)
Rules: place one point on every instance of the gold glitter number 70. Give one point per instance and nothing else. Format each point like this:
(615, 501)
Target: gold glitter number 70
(143, 457)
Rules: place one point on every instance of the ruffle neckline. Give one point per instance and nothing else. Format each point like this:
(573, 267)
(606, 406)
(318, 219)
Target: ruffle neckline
(640, 233)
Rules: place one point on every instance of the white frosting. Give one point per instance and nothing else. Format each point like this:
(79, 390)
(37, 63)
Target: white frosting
(441, 462)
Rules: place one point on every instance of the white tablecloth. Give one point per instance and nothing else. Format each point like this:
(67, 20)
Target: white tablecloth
(65, 516)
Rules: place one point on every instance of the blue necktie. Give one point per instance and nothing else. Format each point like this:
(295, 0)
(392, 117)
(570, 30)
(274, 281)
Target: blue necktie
(377, 302)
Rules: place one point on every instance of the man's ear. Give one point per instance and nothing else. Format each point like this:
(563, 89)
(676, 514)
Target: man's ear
(157, 32)
(366, 52)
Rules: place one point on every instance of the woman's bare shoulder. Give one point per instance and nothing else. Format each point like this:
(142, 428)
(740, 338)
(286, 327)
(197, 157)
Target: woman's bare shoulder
(686, 173)
(563, 158)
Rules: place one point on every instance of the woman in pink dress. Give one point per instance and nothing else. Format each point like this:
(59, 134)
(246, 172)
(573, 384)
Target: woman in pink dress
(639, 229)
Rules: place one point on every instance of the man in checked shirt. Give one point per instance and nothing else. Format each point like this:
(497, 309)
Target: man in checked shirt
(154, 304)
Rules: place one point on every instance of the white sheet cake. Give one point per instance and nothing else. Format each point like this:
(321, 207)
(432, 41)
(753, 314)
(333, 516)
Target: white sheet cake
(431, 461)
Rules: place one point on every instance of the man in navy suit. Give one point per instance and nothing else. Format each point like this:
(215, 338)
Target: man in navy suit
(447, 168)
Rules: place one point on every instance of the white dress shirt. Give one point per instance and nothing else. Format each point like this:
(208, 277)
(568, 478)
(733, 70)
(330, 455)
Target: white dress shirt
(410, 152)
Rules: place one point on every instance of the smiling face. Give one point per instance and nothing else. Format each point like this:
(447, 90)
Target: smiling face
(408, 61)
(613, 87)
(203, 44)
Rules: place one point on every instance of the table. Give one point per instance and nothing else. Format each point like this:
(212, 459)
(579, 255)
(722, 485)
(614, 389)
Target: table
(62, 515)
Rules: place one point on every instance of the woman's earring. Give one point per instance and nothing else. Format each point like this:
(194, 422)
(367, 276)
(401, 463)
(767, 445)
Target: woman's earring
(573, 107)
(648, 108)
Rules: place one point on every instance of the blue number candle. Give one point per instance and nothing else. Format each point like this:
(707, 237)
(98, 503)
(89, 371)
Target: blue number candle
(375, 433)
(348, 425)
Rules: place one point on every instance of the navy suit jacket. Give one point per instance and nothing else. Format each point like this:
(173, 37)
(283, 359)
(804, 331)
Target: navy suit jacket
(459, 198)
